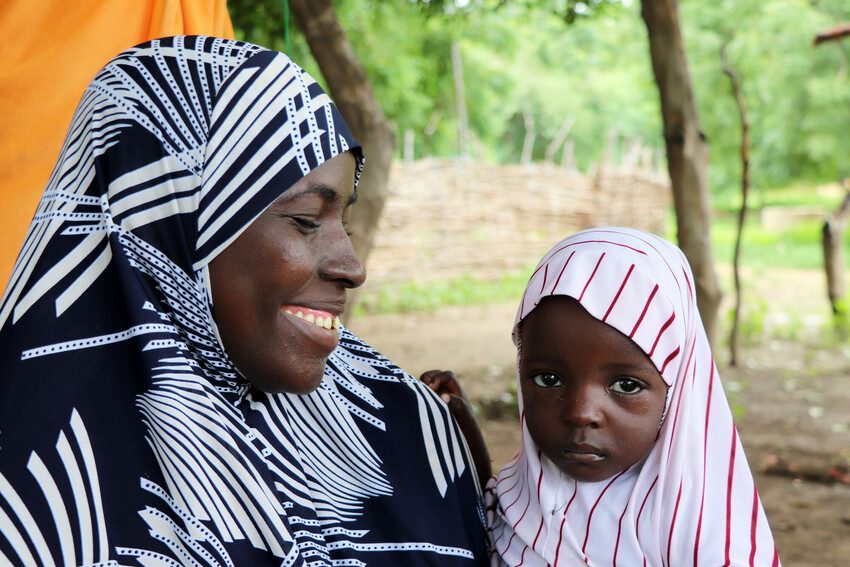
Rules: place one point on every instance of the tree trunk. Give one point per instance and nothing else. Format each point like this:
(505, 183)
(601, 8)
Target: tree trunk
(833, 227)
(350, 89)
(687, 152)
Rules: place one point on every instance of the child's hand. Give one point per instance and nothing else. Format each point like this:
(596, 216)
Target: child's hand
(444, 384)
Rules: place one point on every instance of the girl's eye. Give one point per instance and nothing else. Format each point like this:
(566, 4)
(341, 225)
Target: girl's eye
(546, 380)
(626, 386)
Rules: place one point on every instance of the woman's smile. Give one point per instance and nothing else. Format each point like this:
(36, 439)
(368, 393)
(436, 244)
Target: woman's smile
(315, 317)
(322, 327)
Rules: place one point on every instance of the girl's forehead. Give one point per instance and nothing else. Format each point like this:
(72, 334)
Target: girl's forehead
(636, 288)
(560, 320)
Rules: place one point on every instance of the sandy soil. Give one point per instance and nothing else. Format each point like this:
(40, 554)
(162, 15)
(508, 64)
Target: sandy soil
(791, 394)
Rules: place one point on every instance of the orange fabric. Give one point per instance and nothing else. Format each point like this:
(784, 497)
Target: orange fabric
(49, 51)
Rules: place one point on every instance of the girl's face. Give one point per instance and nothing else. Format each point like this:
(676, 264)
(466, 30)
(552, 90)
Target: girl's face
(593, 400)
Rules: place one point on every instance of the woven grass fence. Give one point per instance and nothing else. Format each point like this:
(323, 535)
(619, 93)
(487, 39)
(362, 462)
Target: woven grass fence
(445, 219)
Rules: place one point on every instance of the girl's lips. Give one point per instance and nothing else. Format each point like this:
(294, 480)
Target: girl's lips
(582, 456)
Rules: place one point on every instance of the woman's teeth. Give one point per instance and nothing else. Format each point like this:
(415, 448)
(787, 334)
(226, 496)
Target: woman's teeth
(328, 322)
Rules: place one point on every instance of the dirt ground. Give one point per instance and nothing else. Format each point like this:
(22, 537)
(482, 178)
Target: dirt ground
(791, 395)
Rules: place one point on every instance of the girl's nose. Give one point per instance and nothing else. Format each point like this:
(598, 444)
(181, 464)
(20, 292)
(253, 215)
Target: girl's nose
(582, 407)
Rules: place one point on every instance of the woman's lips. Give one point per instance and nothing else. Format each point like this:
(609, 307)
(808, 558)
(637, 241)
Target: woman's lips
(320, 327)
(322, 319)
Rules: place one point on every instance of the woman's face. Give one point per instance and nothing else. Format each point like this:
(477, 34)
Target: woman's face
(593, 400)
(279, 288)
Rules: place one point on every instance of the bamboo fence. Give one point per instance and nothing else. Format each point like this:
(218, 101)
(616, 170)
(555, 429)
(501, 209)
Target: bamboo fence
(445, 218)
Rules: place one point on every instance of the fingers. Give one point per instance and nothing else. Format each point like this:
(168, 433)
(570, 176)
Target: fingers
(442, 382)
(432, 379)
(437, 380)
(433, 376)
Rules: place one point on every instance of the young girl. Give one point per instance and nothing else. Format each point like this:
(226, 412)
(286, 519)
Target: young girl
(629, 454)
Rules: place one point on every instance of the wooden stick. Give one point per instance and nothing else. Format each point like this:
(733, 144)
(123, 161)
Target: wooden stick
(833, 34)
(745, 190)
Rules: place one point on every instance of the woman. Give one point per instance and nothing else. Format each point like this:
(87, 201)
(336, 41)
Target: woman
(161, 332)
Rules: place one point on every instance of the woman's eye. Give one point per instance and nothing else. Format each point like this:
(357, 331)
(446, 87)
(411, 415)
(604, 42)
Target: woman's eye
(626, 386)
(305, 223)
(546, 380)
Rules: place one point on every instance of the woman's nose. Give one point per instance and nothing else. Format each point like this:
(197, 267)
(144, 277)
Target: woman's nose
(342, 264)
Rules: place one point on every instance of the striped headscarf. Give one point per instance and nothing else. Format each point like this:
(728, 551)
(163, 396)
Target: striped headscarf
(126, 433)
(692, 501)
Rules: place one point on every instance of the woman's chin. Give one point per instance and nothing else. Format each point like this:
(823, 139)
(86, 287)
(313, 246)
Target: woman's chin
(302, 380)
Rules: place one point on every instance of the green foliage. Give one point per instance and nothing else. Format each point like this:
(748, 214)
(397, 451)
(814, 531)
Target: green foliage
(797, 95)
(840, 323)
(588, 60)
(751, 322)
(795, 195)
(516, 54)
(796, 247)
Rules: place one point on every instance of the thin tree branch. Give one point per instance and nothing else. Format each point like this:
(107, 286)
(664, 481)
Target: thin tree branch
(745, 189)
(833, 34)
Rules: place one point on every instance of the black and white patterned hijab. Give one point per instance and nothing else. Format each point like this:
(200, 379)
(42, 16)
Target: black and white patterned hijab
(126, 435)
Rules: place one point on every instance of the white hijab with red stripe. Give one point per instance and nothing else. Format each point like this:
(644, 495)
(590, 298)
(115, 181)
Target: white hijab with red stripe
(692, 501)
